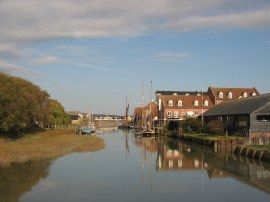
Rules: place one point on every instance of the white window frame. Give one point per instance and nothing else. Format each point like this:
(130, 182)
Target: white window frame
(220, 95)
(170, 103)
(254, 94)
(230, 95)
(176, 114)
(180, 103)
(196, 103)
(205, 103)
(245, 94)
(169, 114)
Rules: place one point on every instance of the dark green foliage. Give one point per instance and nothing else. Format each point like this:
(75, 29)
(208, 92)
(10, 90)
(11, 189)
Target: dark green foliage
(192, 125)
(23, 105)
(215, 127)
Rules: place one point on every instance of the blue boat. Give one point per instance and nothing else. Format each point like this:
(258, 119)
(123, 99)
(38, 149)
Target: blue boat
(88, 130)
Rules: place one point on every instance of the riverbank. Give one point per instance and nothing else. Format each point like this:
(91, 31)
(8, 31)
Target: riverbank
(48, 144)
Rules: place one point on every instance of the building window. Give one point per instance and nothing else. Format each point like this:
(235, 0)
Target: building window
(205, 103)
(170, 103)
(175, 94)
(180, 103)
(196, 103)
(245, 94)
(254, 94)
(220, 95)
(263, 118)
(176, 114)
(230, 95)
(169, 114)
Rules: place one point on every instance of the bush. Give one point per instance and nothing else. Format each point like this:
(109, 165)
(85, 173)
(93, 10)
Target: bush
(215, 127)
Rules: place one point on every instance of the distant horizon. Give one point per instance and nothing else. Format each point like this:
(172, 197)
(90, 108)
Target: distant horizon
(90, 56)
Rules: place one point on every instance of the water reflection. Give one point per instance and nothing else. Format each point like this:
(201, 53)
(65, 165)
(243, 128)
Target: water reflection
(179, 156)
(139, 169)
(17, 179)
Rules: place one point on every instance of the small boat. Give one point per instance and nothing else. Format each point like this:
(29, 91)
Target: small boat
(148, 133)
(88, 130)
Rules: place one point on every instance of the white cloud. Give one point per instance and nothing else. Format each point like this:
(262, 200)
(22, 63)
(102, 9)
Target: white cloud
(47, 59)
(96, 67)
(17, 70)
(30, 20)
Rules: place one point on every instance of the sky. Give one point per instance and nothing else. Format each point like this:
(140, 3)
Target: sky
(91, 55)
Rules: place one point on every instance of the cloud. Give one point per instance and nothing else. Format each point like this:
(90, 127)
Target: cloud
(47, 59)
(31, 20)
(97, 67)
(9, 50)
(17, 70)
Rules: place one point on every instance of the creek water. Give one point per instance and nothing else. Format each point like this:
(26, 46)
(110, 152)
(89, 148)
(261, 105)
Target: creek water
(138, 169)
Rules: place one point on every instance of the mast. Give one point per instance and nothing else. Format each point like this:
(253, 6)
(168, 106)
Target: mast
(151, 105)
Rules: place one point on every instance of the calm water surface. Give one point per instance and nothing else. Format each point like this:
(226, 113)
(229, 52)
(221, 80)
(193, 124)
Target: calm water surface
(138, 169)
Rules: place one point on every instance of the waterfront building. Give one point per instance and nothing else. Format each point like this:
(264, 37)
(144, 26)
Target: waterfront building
(249, 117)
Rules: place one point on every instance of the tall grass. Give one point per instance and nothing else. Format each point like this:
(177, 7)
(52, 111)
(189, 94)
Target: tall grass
(46, 145)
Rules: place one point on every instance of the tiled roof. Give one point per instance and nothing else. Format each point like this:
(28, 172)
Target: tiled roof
(236, 92)
(160, 92)
(187, 101)
(240, 106)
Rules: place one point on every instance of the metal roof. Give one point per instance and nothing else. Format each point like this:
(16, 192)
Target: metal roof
(240, 106)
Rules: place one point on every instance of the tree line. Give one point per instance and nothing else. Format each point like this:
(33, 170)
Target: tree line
(24, 106)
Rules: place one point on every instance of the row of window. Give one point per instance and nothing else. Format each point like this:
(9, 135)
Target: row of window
(195, 103)
(230, 95)
(176, 114)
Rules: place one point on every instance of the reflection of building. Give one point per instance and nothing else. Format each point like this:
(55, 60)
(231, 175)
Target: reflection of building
(186, 157)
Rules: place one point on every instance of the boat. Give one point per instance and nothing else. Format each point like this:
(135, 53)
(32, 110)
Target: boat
(86, 130)
(148, 131)
(125, 124)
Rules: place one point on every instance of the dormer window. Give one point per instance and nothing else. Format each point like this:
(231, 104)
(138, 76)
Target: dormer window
(205, 103)
(230, 95)
(240, 97)
(198, 94)
(180, 103)
(254, 94)
(170, 103)
(175, 94)
(245, 94)
(196, 103)
(187, 94)
(220, 95)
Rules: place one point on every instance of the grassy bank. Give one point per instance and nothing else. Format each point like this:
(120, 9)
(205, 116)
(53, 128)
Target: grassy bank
(214, 137)
(46, 145)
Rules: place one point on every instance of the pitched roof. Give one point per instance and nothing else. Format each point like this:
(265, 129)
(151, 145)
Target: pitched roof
(187, 101)
(161, 92)
(236, 92)
(240, 106)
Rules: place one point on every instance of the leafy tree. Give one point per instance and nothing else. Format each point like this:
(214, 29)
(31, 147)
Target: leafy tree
(57, 114)
(24, 105)
(215, 127)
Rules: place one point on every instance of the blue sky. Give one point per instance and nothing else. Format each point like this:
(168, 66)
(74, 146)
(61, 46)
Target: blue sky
(95, 53)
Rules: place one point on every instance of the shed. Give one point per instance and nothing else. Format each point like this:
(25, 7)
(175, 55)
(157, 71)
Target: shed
(249, 117)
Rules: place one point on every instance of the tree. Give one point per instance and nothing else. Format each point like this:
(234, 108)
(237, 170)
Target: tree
(192, 125)
(57, 114)
(24, 105)
(215, 127)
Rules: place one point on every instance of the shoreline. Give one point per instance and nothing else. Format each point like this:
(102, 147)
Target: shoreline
(49, 144)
